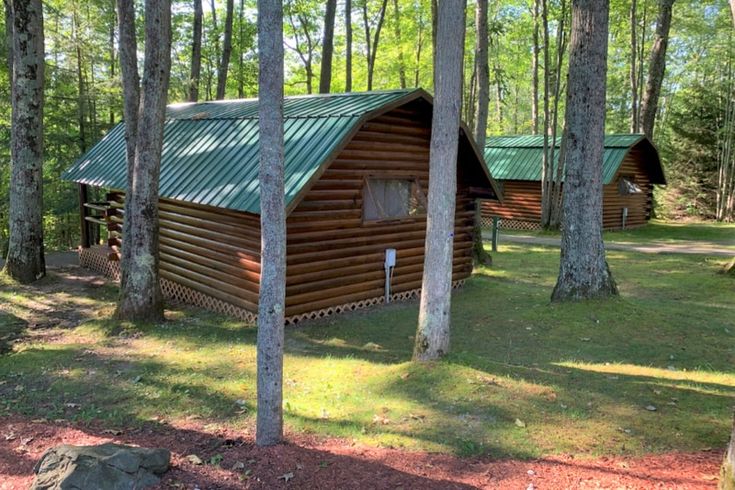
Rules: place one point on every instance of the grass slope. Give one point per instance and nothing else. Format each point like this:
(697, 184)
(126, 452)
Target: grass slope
(525, 378)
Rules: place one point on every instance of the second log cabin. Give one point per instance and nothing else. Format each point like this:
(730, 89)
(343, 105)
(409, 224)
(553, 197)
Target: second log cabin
(356, 183)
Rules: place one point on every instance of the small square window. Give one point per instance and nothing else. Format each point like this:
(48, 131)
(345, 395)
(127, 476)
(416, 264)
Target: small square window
(391, 199)
(627, 186)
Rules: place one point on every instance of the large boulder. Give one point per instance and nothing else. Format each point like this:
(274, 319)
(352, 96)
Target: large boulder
(103, 467)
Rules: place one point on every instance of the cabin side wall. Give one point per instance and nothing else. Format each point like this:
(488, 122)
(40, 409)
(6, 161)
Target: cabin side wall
(522, 200)
(206, 250)
(334, 257)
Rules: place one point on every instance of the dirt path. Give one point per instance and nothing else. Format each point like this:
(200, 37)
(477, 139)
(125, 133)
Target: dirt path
(231, 461)
(654, 247)
(55, 260)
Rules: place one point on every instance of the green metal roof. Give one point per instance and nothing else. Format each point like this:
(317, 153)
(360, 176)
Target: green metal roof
(520, 157)
(210, 150)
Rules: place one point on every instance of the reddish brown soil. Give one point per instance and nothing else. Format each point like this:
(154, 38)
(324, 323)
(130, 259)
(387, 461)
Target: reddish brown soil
(335, 464)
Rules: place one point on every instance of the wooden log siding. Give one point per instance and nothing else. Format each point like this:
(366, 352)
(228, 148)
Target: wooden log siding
(334, 258)
(523, 198)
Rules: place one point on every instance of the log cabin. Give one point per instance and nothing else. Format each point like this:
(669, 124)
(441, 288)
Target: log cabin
(356, 178)
(631, 167)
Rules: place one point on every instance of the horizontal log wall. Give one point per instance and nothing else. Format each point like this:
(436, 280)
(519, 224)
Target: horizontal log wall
(333, 256)
(211, 250)
(522, 199)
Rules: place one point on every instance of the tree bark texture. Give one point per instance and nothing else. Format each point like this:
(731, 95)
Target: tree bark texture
(25, 260)
(535, 67)
(348, 45)
(140, 289)
(226, 51)
(432, 335)
(325, 77)
(583, 271)
(633, 67)
(656, 68)
(196, 53)
(271, 307)
(483, 73)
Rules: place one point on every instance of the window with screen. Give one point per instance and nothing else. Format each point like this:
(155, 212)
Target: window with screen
(392, 199)
(627, 186)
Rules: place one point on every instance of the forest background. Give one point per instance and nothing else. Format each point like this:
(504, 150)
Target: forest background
(391, 47)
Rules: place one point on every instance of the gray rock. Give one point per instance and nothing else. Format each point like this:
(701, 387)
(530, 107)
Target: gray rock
(103, 467)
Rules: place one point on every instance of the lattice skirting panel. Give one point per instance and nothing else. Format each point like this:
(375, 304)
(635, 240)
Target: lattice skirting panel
(97, 259)
(511, 224)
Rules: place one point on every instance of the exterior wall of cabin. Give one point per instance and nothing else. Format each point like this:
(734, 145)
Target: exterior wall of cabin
(522, 199)
(333, 257)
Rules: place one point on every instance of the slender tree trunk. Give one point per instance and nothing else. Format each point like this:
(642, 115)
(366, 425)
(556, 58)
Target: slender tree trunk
(81, 95)
(419, 46)
(401, 63)
(535, 67)
(273, 225)
(583, 270)
(226, 51)
(241, 52)
(348, 45)
(556, 169)
(140, 290)
(113, 60)
(372, 42)
(325, 78)
(546, 163)
(432, 335)
(483, 73)
(196, 53)
(657, 68)
(633, 67)
(25, 260)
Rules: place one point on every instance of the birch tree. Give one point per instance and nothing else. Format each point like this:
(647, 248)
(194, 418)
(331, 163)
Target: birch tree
(583, 271)
(25, 259)
(656, 68)
(271, 307)
(432, 335)
(325, 77)
(140, 289)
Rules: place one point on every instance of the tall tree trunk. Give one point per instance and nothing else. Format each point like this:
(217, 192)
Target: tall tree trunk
(483, 73)
(546, 163)
(196, 53)
(348, 45)
(583, 270)
(373, 40)
(25, 260)
(81, 95)
(224, 64)
(272, 224)
(325, 77)
(633, 67)
(397, 30)
(140, 289)
(113, 60)
(432, 335)
(241, 52)
(419, 46)
(557, 170)
(657, 67)
(535, 67)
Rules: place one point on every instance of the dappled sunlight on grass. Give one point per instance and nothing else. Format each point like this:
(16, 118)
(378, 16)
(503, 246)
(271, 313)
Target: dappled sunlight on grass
(697, 376)
(525, 377)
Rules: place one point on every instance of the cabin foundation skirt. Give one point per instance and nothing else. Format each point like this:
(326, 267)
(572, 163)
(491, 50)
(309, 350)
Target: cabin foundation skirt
(97, 259)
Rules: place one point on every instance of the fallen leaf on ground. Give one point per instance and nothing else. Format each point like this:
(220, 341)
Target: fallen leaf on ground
(194, 459)
(520, 423)
(286, 477)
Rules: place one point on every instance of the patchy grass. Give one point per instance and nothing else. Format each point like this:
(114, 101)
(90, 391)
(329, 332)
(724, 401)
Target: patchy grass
(525, 378)
(663, 232)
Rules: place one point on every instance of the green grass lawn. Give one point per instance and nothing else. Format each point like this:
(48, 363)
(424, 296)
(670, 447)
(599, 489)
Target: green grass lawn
(662, 231)
(525, 378)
